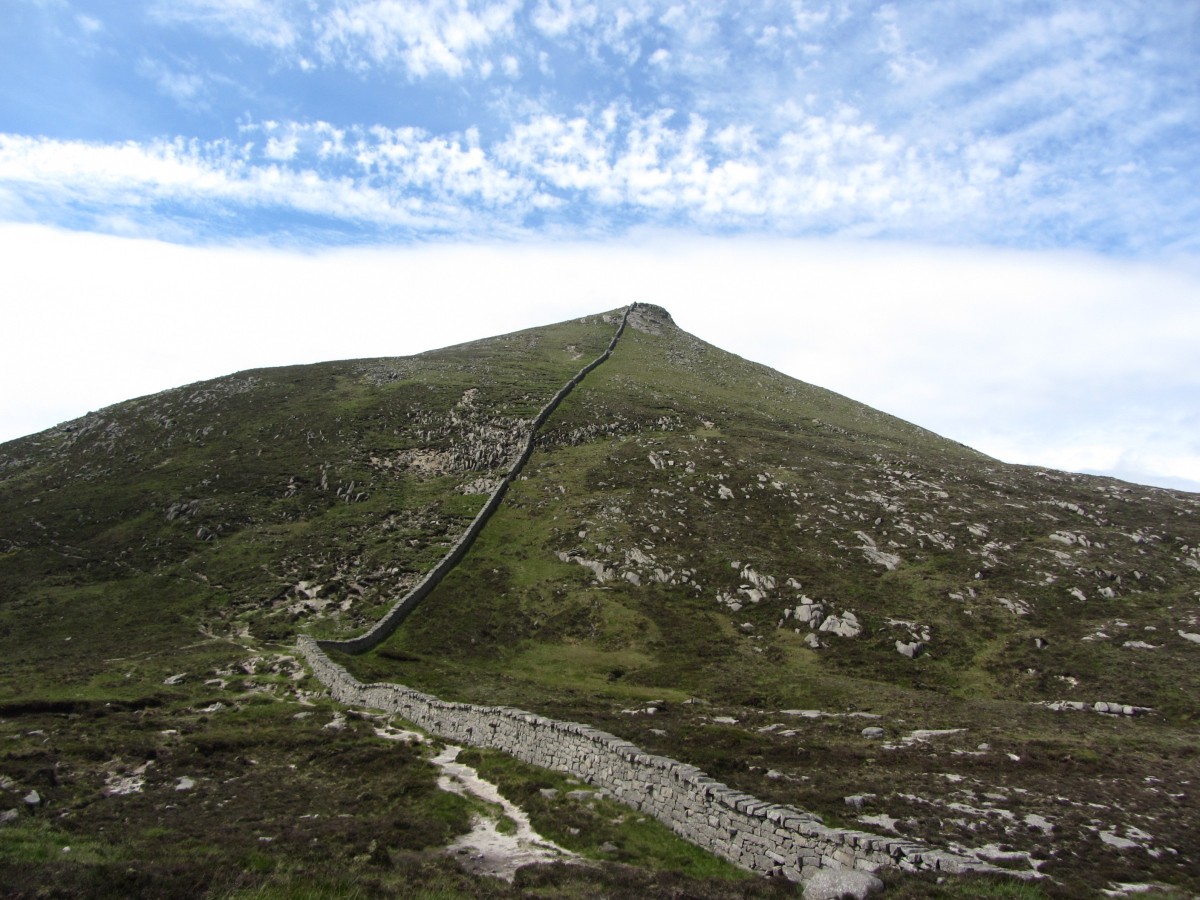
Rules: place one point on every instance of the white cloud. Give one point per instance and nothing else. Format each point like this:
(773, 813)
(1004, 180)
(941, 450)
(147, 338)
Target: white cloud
(1063, 360)
(427, 38)
(434, 37)
(264, 23)
(398, 177)
(556, 17)
(282, 149)
(184, 87)
(808, 16)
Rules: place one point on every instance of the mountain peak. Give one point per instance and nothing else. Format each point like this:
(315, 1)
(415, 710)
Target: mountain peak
(650, 318)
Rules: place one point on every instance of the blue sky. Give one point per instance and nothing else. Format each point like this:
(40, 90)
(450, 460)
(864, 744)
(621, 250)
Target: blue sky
(1004, 169)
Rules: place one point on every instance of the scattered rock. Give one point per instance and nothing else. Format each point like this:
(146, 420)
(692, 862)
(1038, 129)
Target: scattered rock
(1115, 840)
(846, 625)
(837, 882)
(33, 798)
(880, 820)
(808, 613)
(873, 732)
(911, 649)
(1016, 607)
(889, 561)
(1041, 823)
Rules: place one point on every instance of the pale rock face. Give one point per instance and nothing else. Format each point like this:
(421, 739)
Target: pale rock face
(845, 625)
(889, 561)
(911, 649)
(602, 572)
(638, 556)
(809, 614)
(762, 582)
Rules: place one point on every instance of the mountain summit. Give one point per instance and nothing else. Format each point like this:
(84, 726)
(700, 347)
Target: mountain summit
(818, 604)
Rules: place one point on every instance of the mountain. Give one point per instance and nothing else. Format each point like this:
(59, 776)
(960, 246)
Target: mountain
(702, 556)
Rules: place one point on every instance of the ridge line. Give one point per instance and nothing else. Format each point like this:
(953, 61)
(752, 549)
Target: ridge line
(390, 621)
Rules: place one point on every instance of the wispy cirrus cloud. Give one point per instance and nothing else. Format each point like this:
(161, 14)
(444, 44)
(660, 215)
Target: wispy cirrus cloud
(401, 178)
(264, 23)
(1008, 123)
(834, 174)
(823, 174)
(433, 37)
(441, 36)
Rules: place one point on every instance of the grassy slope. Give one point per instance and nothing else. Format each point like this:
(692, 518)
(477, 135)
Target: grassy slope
(190, 534)
(809, 471)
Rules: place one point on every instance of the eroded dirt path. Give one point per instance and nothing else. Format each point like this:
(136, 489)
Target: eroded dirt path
(486, 849)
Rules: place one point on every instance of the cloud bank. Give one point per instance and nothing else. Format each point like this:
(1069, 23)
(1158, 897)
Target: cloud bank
(1033, 358)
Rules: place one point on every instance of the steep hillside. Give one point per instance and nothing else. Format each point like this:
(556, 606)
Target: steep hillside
(158, 735)
(716, 561)
(741, 571)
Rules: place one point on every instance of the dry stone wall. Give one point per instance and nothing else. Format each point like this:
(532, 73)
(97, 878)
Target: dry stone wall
(762, 837)
(391, 620)
(759, 836)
